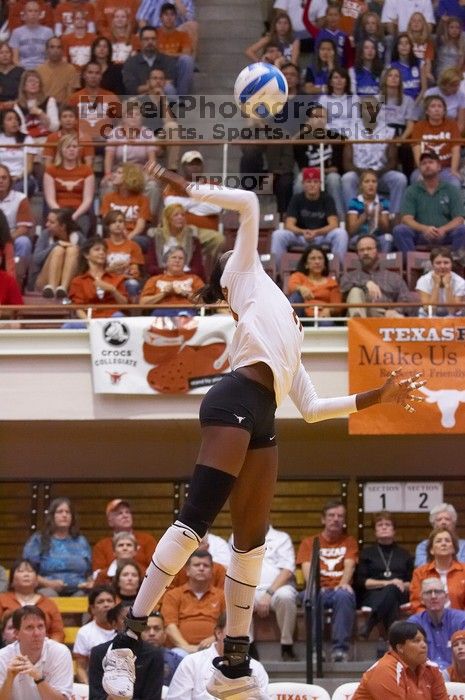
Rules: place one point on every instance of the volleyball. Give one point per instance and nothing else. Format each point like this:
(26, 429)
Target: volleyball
(260, 90)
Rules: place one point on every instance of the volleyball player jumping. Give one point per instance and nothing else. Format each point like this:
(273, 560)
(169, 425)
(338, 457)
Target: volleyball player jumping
(238, 457)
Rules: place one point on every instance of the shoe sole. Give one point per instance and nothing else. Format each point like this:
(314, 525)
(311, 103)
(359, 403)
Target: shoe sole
(48, 293)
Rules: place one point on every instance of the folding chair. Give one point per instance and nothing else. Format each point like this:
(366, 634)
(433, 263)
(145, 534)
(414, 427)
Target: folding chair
(345, 691)
(418, 262)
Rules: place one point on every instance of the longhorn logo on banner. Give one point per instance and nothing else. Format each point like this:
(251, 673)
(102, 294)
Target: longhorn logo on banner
(433, 346)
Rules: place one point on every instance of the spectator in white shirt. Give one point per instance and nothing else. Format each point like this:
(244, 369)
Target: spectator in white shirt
(97, 631)
(191, 677)
(396, 14)
(276, 591)
(34, 667)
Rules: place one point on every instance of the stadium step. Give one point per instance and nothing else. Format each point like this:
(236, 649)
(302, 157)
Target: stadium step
(224, 35)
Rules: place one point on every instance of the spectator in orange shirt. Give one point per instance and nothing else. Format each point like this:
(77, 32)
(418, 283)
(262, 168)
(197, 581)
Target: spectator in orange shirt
(128, 185)
(69, 184)
(59, 78)
(190, 611)
(119, 517)
(124, 548)
(404, 673)
(435, 133)
(121, 35)
(106, 8)
(68, 125)
(170, 40)
(443, 546)
(173, 287)
(77, 44)
(65, 12)
(338, 557)
(94, 104)
(121, 252)
(95, 285)
(22, 586)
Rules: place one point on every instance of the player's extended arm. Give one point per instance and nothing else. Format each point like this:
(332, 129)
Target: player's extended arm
(314, 409)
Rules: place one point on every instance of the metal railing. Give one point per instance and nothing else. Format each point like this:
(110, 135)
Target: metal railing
(313, 616)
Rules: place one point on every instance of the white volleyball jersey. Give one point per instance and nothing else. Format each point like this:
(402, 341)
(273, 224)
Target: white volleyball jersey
(268, 329)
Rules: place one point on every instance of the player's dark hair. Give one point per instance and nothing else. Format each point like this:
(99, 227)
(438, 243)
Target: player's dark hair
(212, 291)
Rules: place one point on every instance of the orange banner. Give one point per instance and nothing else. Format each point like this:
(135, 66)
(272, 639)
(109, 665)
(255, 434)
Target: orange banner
(434, 346)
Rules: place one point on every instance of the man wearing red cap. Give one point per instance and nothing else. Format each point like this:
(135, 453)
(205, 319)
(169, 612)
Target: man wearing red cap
(311, 218)
(119, 518)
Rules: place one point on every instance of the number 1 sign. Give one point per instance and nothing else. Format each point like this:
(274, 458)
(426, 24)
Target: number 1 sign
(378, 495)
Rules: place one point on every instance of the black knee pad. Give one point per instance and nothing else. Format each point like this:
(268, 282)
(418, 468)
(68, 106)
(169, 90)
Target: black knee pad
(208, 492)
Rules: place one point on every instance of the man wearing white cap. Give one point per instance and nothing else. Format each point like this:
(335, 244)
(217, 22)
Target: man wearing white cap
(119, 517)
(203, 215)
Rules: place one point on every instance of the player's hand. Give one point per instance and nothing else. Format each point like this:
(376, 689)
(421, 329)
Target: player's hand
(155, 171)
(402, 391)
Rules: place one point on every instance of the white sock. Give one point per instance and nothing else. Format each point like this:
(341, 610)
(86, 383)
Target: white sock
(170, 555)
(242, 578)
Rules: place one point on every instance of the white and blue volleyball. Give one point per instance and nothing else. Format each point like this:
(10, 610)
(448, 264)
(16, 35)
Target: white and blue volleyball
(260, 91)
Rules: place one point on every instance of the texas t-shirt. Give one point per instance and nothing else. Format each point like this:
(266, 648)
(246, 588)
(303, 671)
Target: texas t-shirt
(332, 557)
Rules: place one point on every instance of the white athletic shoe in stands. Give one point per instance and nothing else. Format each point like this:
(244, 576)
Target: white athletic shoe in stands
(243, 688)
(119, 673)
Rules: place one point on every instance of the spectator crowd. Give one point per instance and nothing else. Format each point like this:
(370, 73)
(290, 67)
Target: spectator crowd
(76, 75)
(390, 587)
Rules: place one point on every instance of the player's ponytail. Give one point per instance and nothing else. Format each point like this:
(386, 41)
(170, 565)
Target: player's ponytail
(212, 292)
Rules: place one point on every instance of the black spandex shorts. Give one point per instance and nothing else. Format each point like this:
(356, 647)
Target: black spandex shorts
(240, 402)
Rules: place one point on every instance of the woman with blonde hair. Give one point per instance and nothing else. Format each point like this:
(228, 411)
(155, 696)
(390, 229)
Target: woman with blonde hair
(38, 113)
(419, 33)
(450, 45)
(127, 196)
(442, 563)
(175, 232)
(448, 88)
(70, 184)
(121, 35)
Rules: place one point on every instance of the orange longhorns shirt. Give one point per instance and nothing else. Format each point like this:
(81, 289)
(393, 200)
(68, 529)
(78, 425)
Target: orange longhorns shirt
(332, 556)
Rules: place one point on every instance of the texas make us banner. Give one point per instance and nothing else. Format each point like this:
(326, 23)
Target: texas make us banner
(433, 346)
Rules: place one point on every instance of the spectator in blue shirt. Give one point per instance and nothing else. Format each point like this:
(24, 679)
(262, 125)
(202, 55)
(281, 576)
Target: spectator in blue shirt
(61, 553)
(340, 39)
(442, 515)
(405, 60)
(438, 621)
(368, 68)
